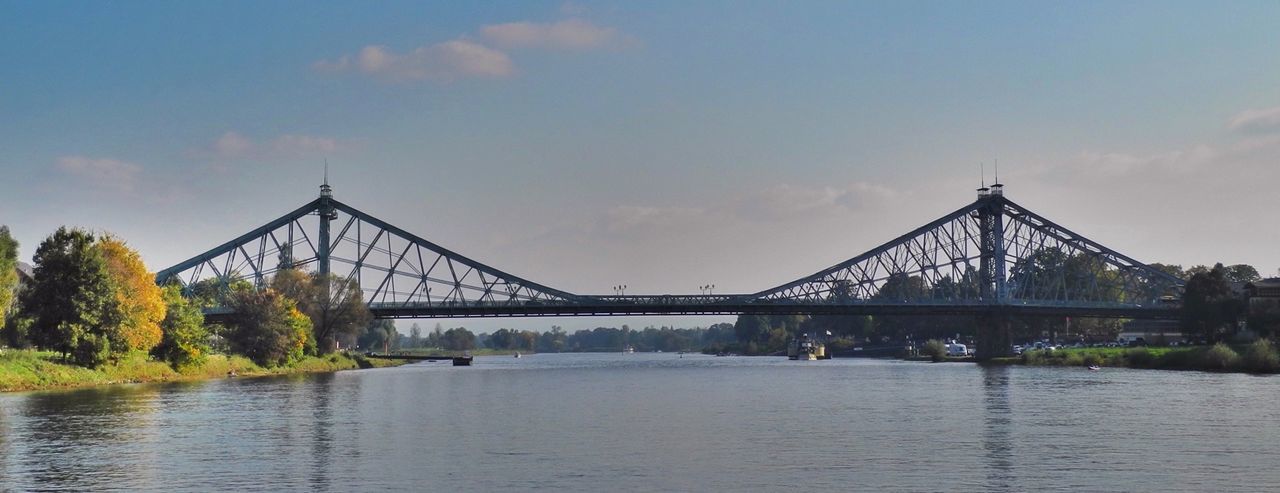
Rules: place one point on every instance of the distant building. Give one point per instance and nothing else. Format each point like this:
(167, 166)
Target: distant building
(1264, 290)
(1264, 305)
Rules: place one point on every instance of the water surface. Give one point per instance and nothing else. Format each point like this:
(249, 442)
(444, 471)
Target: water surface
(655, 422)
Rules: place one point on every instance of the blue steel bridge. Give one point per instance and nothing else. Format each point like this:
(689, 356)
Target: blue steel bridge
(991, 259)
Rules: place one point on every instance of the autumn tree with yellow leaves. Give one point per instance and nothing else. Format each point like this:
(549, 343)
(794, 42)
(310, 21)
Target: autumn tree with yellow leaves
(140, 305)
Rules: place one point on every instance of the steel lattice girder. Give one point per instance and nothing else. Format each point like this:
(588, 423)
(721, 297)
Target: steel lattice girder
(391, 265)
(942, 262)
(991, 253)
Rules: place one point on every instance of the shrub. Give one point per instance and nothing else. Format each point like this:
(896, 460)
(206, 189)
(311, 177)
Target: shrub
(1140, 357)
(934, 349)
(1091, 359)
(1261, 357)
(91, 351)
(1220, 357)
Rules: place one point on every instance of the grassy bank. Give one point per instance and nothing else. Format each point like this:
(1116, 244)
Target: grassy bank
(39, 370)
(1258, 357)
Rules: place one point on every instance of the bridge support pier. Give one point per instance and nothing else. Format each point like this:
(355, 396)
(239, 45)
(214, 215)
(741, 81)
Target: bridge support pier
(995, 336)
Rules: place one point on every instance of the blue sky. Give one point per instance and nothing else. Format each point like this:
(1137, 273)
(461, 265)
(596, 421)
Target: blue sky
(664, 145)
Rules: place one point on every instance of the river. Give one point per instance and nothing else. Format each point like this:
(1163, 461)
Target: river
(655, 422)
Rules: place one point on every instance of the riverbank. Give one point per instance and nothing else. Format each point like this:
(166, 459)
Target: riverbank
(42, 370)
(1258, 357)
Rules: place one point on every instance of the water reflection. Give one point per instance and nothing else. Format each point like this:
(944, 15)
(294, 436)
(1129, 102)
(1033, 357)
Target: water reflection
(653, 423)
(117, 417)
(997, 421)
(321, 390)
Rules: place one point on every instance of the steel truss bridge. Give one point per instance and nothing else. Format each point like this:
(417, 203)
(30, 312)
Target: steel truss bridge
(991, 256)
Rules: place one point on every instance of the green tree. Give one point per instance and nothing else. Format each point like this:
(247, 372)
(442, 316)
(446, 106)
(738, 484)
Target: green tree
(436, 337)
(71, 300)
(415, 336)
(1171, 269)
(334, 304)
(8, 271)
(750, 328)
(458, 339)
(1209, 307)
(185, 340)
(1242, 273)
(553, 340)
(379, 335)
(267, 327)
(935, 349)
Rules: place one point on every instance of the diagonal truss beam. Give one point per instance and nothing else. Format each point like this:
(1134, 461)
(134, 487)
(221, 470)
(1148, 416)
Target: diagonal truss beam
(991, 252)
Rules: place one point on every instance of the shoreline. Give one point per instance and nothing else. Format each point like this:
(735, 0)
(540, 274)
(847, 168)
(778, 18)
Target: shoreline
(23, 370)
(1259, 358)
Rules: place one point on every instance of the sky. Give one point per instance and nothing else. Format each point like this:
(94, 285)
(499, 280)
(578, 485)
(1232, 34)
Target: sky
(661, 145)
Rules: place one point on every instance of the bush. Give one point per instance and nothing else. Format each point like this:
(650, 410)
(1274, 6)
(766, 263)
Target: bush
(934, 349)
(1220, 357)
(91, 351)
(1261, 357)
(1091, 359)
(1139, 357)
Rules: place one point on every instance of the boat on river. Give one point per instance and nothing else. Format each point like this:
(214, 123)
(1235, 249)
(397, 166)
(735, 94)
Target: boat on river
(805, 349)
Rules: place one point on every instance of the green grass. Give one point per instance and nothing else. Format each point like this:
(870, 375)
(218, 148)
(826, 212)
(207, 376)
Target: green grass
(37, 370)
(1256, 358)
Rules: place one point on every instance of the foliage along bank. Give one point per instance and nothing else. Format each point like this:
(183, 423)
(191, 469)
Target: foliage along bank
(92, 313)
(1259, 356)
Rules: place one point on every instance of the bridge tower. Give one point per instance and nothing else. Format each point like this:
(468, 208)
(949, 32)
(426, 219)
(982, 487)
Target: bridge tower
(327, 213)
(994, 338)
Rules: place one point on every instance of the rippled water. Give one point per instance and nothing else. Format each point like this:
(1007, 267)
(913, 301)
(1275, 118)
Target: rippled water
(655, 422)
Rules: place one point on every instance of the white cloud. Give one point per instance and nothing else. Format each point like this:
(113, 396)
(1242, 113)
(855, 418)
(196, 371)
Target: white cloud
(232, 145)
(568, 34)
(1256, 120)
(1114, 164)
(644, 218)
(785, 201)
(120, 176)
(450, 60)
(301, 145)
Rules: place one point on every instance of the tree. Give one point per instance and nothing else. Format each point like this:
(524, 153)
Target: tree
(268, 328)
(138, 301)
(750, 328)
(8, 271)
(1209, 306)
(185, 340)
(335, 305)
(552, 340)
(436, 337)
(1242, 273)
(379, 335)
(415, 336)
(211, 292)
(458, 339)
(1171, 269)
(71, 300)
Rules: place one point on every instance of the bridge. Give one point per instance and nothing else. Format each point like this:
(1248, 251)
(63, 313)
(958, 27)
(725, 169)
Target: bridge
(991, 259)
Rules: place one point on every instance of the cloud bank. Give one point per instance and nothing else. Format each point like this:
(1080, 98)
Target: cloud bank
(468, 58)
(450, 60)
(111, 174)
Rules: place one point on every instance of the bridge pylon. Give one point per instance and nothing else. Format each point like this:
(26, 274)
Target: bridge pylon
(993, 259)
(394, 268)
